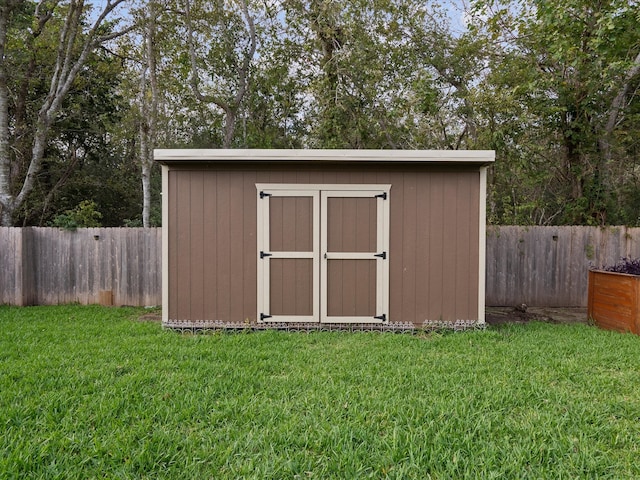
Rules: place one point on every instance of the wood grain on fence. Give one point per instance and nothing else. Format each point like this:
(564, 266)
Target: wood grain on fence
(539, 266)
(11, 266)
(548, 266)
(48, 266)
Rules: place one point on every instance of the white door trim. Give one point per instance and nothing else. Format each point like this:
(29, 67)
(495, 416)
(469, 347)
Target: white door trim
(320, 193)
(382, 247)
(264, 262)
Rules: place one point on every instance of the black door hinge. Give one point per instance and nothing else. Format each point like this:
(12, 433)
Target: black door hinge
(264, 316)
(262, 194)
(382, 255)
(265, 254)
(381, 195)
(382, 317)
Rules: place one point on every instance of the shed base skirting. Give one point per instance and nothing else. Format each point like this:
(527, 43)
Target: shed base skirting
(428, 325)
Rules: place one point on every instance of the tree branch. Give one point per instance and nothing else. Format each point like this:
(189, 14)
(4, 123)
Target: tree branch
(195, 76)
(65, 73)
(230, 109)
(616, 107)
(244, 69)
(619, 100)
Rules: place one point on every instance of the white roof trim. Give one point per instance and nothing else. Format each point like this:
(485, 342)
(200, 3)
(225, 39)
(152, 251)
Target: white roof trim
(263, 155)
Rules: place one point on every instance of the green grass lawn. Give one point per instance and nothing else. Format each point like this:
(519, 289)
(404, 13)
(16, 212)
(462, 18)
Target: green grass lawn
(87, 392)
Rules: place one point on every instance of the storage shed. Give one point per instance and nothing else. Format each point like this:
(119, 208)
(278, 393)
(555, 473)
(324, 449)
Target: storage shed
(323, 238)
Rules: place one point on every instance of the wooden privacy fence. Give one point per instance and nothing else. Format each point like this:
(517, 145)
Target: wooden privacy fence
(539, 266)
(548, 266)
(48, 266)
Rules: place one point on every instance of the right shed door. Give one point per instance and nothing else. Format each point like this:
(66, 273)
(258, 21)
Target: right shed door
(354, 274)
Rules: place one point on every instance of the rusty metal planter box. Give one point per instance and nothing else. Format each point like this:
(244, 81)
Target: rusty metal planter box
(614, 301)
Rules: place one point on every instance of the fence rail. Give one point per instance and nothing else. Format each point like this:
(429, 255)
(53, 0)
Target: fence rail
(539, 266)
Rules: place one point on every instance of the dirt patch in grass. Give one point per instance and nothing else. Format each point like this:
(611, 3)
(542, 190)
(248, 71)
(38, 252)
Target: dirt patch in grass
(153, 315)
(521, 314)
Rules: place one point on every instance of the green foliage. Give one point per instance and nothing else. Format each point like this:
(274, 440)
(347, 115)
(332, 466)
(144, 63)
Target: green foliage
(560, 68)
(155, 217)
(91, 392)
(357, 64)
(85, 157)
(534, 80)
(83, 215)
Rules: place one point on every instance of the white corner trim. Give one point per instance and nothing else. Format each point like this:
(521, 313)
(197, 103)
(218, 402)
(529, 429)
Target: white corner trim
(482, 241)
(165, 244)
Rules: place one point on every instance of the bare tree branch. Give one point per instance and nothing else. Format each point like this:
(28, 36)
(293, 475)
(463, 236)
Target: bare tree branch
(617, 105)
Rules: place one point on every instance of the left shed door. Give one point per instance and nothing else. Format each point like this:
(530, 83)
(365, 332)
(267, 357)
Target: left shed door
(288, 256)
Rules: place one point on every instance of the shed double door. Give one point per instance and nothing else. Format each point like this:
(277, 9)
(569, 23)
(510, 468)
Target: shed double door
(323, 253)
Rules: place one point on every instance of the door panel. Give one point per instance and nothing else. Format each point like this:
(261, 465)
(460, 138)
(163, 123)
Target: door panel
(351, 288)
(291, 286)
(291, 228)
(351, 224)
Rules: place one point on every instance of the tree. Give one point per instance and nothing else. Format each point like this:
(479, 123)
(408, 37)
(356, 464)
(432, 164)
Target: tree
(149, 98)
(83, 142)
(384, 74)
(77, 40)
(570, 68)
(354, 66)
(222, 41)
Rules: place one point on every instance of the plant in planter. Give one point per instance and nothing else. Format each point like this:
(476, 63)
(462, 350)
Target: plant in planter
(614, 296)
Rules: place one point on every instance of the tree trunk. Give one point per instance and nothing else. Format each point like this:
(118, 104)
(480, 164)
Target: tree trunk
(229, 127)
(146, 194)
(617, 105)
(144, 147)
(5, 195)
(149, 112)
(5, 163)
(605, 135)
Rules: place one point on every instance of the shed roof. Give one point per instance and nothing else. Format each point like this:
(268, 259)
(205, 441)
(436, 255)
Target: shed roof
(476, 157)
